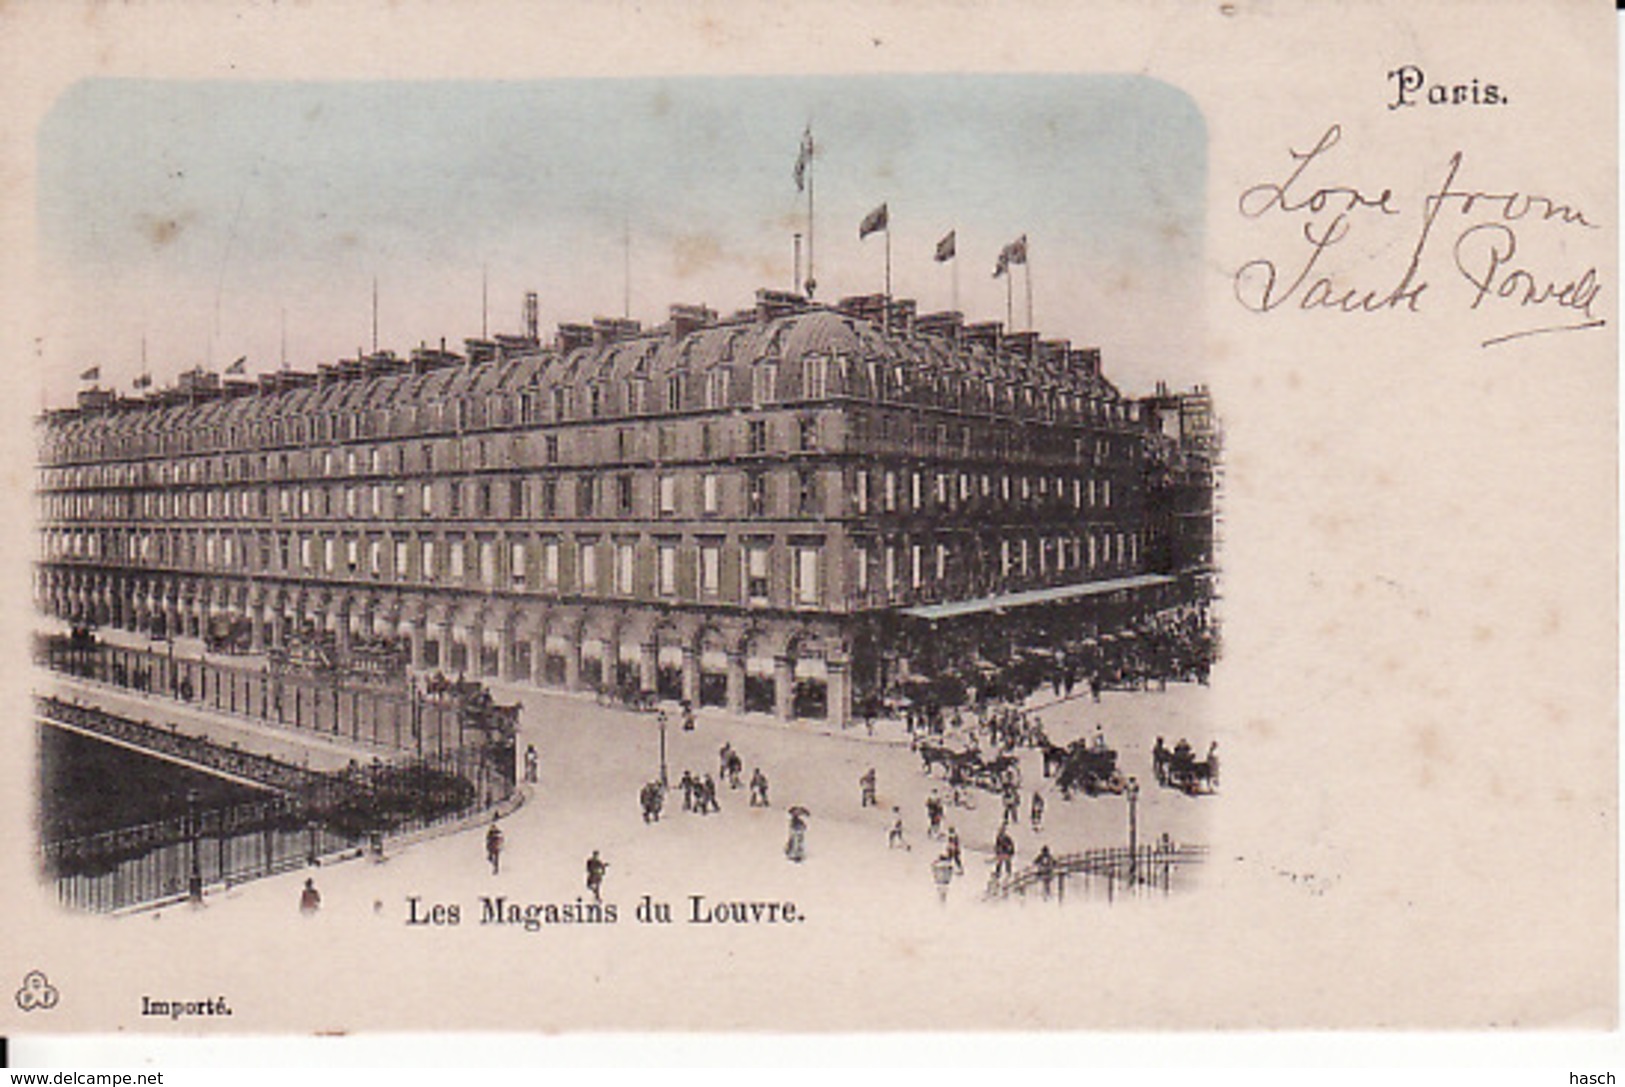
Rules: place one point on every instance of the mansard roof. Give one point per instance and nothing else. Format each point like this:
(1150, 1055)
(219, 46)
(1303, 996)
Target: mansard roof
(933, 358)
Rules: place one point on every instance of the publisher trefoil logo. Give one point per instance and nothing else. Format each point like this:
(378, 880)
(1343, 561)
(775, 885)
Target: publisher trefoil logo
(37, 992)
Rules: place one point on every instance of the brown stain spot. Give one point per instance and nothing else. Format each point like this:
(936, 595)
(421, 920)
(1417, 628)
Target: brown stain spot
(161, 231)
(694, 253)
(1293, 381)
(1482, 634)
(1262, 726)
(1172, 233)
(660, 104)
(1429, 745)
(1552, 622)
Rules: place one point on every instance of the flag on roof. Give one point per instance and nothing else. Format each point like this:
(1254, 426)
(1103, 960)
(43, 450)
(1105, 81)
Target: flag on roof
(237, 367)
(143, 381)
(875, 220)
(945, 248)
(1014, 253)
(92, 374)
(804, 159)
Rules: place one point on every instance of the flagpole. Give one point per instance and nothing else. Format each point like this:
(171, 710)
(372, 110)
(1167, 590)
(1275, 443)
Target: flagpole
(812, 283)
(887, 322)
(1009, 318)
(954, 262)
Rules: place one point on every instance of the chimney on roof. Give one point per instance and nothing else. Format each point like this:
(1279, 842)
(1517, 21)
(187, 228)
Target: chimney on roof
(947, 323)
(572, 336)
(1052, 353)
(1085, 360)
(902, 314)
(686, 319)
(773, 304)
(985, 334)
(863, 307)
(1021, 343)
(532, 318)
(608, 330)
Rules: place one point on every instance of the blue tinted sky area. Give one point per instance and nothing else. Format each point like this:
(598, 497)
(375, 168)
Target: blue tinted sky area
(196, 213)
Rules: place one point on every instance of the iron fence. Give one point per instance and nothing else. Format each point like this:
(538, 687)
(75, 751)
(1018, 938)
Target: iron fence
(314, 814)
(358, 709)
(1108, 873)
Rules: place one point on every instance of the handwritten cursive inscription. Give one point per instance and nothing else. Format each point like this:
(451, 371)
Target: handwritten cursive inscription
(1484, 252)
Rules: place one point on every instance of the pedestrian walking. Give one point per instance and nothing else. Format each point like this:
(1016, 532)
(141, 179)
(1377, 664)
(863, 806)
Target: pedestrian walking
(708, 796)
(758, 788)
(687, 785)
(688, 716)
(894, 837)
(652, 798)
(1044, 863)
(933, 816)
(796, 848)
(1004, 853)
(310, 899)
(1012, 804)
(866, 784)
(1038, 811)
(596, 868)
(952, 851)
(942, 874)
(493, 846)
(530, 764)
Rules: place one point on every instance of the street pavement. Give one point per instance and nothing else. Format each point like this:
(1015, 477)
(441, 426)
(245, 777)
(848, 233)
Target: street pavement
(594, 759)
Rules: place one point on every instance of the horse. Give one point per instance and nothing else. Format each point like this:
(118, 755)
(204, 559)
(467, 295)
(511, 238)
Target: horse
(936, 754)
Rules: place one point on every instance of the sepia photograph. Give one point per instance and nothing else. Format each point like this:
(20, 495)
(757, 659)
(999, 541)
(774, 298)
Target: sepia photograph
(917, 518)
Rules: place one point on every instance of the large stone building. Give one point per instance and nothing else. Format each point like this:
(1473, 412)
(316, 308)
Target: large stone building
(752, 512)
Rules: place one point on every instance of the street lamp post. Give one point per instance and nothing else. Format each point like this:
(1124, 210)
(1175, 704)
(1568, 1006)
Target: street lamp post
(1133, 792)
(194, 883)
(661, 720)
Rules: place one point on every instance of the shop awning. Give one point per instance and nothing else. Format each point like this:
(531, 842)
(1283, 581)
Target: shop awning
(1055, 595)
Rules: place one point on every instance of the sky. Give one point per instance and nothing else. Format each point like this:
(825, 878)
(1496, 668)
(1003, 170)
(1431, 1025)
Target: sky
(204, 217)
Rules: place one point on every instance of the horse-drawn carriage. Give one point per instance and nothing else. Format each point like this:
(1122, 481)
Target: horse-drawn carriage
(970, 768)
(1082, 767)
(1181, 769)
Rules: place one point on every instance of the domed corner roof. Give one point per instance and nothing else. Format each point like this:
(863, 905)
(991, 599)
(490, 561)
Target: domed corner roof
(819, 332)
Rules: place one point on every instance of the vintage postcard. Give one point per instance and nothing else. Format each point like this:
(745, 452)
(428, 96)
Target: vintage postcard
(773, 517)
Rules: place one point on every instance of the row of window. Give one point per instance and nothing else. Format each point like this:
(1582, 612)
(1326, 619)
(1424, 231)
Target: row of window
(700, 568)
(717, 439)
(746, 493)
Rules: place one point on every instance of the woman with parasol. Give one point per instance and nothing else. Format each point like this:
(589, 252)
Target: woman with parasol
(796, 847)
